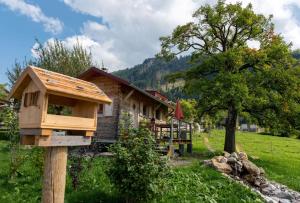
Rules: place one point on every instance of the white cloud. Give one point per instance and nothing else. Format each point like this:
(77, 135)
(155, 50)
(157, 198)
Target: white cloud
(34, 12)
(134, 26)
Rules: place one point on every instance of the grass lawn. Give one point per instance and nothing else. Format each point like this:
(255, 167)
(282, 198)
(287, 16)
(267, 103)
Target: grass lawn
(279, 156)
(193, 183)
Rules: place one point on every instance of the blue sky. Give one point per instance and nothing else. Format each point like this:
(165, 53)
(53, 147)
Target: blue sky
(121, 33)
(18, 32)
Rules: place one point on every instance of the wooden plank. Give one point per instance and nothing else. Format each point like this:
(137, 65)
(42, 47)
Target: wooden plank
(55, 141)
(54, 180)
(36, 131)
(69, 122)
(89, 133)
(28, 139)
(128, 95)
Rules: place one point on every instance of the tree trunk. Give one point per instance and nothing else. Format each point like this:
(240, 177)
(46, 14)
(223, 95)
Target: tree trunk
(230, 129)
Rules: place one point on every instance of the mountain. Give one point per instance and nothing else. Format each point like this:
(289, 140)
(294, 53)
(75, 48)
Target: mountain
(150, 74)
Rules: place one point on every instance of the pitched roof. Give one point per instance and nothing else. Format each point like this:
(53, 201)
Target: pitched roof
(59, 84)
(93, 71)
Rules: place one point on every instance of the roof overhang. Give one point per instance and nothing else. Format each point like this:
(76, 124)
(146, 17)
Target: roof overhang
(94, 72)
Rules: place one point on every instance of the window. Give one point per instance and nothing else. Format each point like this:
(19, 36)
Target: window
(108, 109)
(101, 109)
(105, 109)
(158, 114)
(31, 99)
(145, 113)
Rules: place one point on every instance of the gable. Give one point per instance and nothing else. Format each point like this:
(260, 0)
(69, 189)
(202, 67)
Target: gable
(58, 84)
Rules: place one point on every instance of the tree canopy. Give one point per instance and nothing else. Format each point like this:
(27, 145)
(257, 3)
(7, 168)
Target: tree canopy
(228, 74)
(55, 56)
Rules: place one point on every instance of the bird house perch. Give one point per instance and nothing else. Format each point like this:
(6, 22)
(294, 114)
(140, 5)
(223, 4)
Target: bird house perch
(41, 91)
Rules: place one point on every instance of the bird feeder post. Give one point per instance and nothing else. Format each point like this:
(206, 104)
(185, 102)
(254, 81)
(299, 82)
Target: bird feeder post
(54, 180)
(37, 89)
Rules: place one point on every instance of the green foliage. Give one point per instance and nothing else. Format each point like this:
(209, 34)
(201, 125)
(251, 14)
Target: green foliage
(197, 183)
(3, 91)
(228, 75)
(137, 170)
(189, 109)
(11, 124)
(14, 73)
(55, 56)
(151, 74)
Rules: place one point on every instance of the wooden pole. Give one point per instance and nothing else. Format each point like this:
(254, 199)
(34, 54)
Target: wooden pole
(54, 181)
(171, 148)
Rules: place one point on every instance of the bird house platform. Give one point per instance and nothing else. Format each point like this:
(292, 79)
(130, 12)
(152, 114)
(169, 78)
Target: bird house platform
(55, 109)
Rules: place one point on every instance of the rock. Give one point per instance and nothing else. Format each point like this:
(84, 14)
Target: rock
(243, 156)
(262, 171)
(250, 167)
(220, 159)
(284, 201)
(231, 160)
(249, 178)
(233, 154)
(222, 167)
(226, 154)
(284, 195)
(207, 162)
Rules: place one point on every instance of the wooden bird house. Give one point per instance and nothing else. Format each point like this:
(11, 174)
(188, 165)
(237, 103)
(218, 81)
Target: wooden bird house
(55, 109)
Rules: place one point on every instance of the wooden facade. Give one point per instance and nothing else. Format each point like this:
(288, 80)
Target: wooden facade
(126, 98)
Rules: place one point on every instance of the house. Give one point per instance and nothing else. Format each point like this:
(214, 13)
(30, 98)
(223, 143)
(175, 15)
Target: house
(140, 104)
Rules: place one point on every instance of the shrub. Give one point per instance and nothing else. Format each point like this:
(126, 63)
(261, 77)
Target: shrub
(4, 135)
(137, 169)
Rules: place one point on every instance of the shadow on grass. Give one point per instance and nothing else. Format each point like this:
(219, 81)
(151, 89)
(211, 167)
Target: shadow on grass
(93, 196)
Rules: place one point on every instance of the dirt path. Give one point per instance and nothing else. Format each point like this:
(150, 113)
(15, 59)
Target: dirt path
(206, 143)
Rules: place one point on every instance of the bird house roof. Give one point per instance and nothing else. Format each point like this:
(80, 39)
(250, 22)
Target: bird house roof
(58, 84)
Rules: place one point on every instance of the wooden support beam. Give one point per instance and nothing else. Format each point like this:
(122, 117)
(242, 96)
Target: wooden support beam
(54, 181)
(157, 107)
(36, 131)
(55, 141)
(89, 133)
(128, 95)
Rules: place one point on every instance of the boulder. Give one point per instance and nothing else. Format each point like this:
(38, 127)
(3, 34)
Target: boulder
(220, 159)
(234, 154)
(284, 195)
(226, 154)
(207, 162)
(250, 167)
(262, 171)
(231, 160)
(243, 156)
(222, 167)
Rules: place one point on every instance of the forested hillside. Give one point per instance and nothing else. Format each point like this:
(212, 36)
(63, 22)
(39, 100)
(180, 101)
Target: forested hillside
(150, 74)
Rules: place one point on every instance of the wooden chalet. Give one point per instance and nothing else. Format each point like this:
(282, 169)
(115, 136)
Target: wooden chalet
(125, 97)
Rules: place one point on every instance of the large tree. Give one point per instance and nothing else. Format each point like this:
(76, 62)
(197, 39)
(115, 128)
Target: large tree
(228, 74)
(55, 56)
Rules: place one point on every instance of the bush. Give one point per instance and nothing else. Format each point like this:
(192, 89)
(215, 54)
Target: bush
(4, 135)
(137, 169)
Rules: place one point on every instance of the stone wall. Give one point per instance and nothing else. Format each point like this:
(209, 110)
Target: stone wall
(107, 126)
